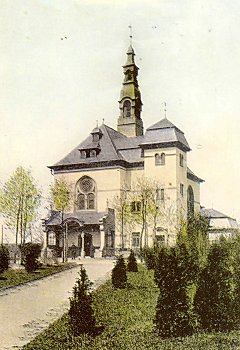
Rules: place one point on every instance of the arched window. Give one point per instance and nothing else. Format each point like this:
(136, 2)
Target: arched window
(160, 159)
(157, 159)
(81, 201)
(127, 109)
(190, 202)
(91, 200)
(85, 194)
(51, 238)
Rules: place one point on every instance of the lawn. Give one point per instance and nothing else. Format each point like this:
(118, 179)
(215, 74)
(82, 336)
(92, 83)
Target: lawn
(127, 319)
(14, 277)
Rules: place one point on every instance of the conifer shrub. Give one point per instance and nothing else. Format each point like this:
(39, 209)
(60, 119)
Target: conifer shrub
(4, 258)
(119, 274)
(150, 255)
(81, 314)
(214, 299)
(30, 254)
(132, 263)
(174, 314)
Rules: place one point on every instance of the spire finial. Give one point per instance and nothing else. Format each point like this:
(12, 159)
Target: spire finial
(130, 34)
(97, 123)
(165, 110)
(103, 120)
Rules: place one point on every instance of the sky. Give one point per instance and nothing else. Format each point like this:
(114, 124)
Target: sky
(61, 70)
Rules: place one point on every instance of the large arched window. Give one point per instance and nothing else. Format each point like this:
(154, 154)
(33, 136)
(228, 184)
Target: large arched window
(127, 109)
(85, 194)
(190, 202)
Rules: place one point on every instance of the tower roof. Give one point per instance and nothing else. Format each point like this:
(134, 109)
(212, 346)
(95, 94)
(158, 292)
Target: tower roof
(165, 134)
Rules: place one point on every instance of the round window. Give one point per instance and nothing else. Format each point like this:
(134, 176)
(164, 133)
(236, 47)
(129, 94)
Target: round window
(86, 185)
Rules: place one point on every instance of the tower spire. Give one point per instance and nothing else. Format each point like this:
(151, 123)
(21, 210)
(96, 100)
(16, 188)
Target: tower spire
(130, 104)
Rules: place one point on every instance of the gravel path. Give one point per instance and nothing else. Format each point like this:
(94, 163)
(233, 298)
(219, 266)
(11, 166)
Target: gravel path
(28, 309)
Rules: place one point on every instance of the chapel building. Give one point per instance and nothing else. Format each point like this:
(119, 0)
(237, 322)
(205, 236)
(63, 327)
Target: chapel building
(108, 163)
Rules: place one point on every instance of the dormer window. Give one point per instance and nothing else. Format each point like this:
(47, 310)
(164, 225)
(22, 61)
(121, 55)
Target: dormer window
(93, 153)
(96, 137)
(83, 154)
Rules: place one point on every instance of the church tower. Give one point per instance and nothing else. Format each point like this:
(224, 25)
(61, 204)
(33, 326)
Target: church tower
(130, 104)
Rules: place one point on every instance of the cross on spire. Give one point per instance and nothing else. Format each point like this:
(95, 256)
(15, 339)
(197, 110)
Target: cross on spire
(130, 34)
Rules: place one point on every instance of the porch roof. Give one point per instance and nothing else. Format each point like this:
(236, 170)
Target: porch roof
(84, 218)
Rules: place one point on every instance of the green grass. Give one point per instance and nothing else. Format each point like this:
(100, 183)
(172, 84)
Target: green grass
(127, 317)
(14, 277)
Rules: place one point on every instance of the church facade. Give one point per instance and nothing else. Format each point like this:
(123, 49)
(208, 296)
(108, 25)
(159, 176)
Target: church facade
(110, 162)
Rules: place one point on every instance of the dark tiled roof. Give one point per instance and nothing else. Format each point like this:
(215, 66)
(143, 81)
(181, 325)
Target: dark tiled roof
(116, 148)
(212, 213)
(163, 124)
(193, 177)
(165, 133)
(86, 218)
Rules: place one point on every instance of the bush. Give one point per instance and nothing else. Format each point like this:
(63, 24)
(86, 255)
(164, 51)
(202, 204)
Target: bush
(150, 255)
(81, 315)
(174, 316)
(214, 299)
(30, 254)
(119, 274)
(4, 258)
(132, 263)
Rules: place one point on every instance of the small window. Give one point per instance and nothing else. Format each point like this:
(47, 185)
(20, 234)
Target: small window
(96, 137)
(135, 239)
(127, 109)
(83, 154)
(136, 206)
(181, 160)
(162, 196)
(160, 238)
(51, 238)
(157, 159)
(93, 153)
(181, 189)
(160, 159)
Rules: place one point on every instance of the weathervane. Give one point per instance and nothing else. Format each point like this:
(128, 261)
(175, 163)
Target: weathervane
(130, 36)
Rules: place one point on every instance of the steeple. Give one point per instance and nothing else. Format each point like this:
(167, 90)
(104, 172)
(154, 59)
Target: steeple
(130, 104)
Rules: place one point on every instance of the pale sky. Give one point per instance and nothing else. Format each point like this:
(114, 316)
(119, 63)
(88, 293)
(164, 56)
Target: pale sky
(52, 91)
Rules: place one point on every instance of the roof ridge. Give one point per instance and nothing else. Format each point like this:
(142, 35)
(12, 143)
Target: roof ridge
(109, 127)
(118, 155)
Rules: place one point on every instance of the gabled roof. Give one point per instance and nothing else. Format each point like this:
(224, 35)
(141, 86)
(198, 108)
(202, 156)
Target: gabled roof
(165, 134)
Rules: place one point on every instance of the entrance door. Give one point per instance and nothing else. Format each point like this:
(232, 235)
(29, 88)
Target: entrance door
(88, 244)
